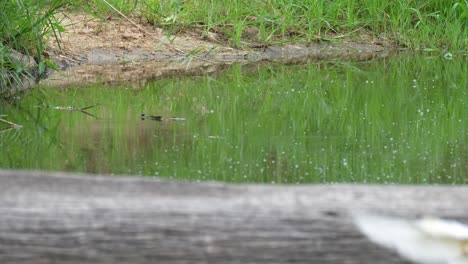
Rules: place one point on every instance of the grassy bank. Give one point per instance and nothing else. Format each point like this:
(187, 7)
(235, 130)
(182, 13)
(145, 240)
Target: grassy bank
(433, 25)
(25, 26)
(416, 24)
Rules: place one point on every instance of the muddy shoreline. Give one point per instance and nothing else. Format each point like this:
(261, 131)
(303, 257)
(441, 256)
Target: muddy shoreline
(117, 52)
(116, 66)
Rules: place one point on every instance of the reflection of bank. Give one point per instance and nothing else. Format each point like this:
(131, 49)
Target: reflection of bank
(119, 143)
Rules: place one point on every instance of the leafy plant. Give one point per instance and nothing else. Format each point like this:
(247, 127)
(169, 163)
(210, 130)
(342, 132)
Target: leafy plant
(26, 26)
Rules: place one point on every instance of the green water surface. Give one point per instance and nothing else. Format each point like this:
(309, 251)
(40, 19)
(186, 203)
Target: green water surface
(398, 120)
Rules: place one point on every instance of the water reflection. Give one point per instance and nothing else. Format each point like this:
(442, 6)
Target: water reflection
(399, 120)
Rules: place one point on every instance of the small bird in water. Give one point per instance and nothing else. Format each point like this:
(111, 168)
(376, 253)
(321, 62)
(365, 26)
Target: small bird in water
(151, 117)
(426, 241)
(160, 118)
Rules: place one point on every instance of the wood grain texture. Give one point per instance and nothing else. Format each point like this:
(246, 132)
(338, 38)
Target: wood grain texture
(69, 218)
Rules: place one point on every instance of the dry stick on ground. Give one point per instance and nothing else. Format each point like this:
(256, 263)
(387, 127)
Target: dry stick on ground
(133, 23)
(143, 30)
(124, 16)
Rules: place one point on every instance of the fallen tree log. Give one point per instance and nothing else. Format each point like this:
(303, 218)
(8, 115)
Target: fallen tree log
(69, 218)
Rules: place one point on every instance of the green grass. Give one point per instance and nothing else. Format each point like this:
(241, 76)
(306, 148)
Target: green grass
(430, 25)
(25, 27)
(417, 24)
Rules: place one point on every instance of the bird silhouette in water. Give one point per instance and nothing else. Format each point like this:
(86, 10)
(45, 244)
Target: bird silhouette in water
(151, 117)
(160, 118)
(425, 241)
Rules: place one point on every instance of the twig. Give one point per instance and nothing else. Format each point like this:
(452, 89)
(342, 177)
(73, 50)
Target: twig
(72, 108)
(138, 26)
(124, 16)
(6, 129)
(88, 107)
(11, 124)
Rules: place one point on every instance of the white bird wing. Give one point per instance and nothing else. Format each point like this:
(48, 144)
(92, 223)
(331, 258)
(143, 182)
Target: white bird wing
(443, 228)
(414, 240)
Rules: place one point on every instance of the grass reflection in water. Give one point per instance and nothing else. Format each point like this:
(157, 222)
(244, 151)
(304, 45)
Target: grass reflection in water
(399, 120)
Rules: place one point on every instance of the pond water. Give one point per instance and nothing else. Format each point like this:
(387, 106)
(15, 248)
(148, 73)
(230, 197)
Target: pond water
(394, 120)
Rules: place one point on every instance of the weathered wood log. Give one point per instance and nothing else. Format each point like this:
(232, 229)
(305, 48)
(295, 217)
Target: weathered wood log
(69, 218)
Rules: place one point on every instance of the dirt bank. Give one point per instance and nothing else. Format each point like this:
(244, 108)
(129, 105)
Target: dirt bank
(116, 50)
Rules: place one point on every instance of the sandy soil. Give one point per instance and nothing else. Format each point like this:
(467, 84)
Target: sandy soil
(116, 50)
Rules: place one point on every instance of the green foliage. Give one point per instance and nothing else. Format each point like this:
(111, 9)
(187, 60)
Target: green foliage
(101, 8)
(26, 26)
(413, 23)
(430, 25)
